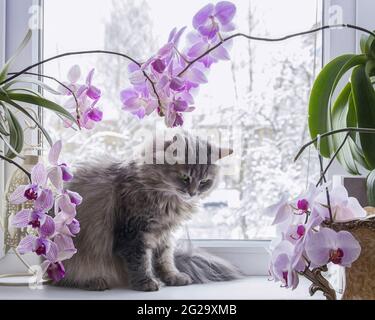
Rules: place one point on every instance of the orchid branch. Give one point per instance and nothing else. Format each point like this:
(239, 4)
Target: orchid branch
(329, 133)
(322, 177)
(60, 83)
(333, 158)
(293, 35)
(190, 63)
(65, 55)
(82, 53)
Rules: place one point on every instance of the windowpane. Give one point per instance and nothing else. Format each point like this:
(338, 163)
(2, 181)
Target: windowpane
(258, 99)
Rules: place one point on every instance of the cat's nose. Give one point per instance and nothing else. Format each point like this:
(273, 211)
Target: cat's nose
(192, 193)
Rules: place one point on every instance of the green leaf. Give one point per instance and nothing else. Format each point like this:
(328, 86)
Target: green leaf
(358, 154)
(351, 121)
(3, 126)
(364, 101)
(45, 103)
(16, 137)
(6, 99)
(30, 80)
(25, 41)
(351, 118)
(3, 131)
(351, 63)
(363, 43)
(321, 93)
(370, 68)
(29, 91)
(339, 121)
(10, 147)
(371, 46)
(370, 182)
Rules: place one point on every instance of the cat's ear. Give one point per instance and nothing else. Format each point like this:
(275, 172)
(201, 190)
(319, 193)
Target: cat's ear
(224, 152)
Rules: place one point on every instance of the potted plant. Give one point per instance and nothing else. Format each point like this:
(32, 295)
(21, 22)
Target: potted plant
(325, 225)
(353, 107)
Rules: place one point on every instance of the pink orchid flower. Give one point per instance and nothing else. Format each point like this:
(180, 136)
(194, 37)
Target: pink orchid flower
(281, 210)
(74, 197)
(31, 191)
(40, 245)
(174, 83)
(61, 249)
(328, 245)
(59, 172)
(91, 91)
(343, 207)
(137, 104)
(173, 116)
(87, 89)
(66, 225)
(165, 54)
(65, 206)
(306, 201)
(285, 263)
(37, 217)
(214, 18)
(74, 74)
(87, 96)
(196, 46)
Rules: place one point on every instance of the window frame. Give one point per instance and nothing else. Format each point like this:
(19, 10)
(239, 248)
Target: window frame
(2, 165)
(14, 21)
(251, 256)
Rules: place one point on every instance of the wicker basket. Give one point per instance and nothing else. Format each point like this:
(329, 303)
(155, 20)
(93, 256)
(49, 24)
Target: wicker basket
(360, 277)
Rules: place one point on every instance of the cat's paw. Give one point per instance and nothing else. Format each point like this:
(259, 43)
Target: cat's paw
(147, 284)
(177, 279)
(96, 284)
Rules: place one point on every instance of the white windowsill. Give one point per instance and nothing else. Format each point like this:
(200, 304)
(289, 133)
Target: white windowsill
(256, 287)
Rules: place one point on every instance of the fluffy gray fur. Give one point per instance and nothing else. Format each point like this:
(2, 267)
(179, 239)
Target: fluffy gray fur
(127, 217)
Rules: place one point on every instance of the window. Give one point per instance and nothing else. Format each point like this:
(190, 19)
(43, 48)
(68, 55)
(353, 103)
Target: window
(246, 90)
(14, 21)
(237, 101)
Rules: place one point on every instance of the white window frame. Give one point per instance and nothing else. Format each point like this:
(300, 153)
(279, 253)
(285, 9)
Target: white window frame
(251, 256)
(2, 166)
(337, 42)
(14, 19)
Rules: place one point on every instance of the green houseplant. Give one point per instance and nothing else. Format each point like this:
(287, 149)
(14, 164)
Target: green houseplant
(350, 111)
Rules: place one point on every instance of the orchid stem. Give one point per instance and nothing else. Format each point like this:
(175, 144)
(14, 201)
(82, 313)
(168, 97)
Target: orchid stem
(334, 26)
(60, 83)
(190, 63)
(327, 134)
(323, 172)
(65, 55)
(333, 158)
(322, 177)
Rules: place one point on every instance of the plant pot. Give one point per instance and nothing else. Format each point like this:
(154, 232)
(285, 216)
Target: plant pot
(360, 277)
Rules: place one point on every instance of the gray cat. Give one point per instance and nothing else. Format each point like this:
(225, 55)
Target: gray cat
(128, 214)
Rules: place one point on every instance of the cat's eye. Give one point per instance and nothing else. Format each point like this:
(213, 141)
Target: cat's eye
(185, 178)
(204, 182)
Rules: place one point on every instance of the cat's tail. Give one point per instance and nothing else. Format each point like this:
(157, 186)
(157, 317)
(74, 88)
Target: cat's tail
(202, 267)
